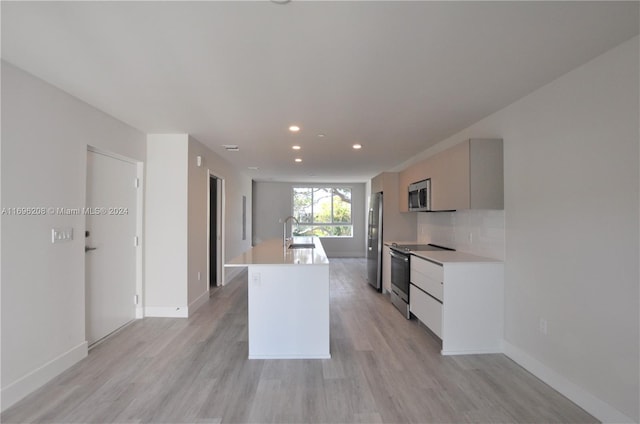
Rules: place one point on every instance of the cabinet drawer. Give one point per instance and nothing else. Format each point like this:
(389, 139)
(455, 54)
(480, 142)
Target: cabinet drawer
(428, 276)
(429, 269)
(430, 285)
(427, 309)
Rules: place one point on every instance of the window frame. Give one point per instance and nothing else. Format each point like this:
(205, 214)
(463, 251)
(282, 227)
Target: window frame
(315, 224)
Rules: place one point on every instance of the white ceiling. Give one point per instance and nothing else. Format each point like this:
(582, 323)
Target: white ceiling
(396, 77)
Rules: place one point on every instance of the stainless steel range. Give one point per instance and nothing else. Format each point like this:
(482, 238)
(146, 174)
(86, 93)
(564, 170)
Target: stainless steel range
(401, 272)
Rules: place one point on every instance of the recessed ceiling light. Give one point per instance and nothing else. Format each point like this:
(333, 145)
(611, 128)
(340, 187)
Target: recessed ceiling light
(296, 147)
(357, 146)
(294, 128)
(298, 160)
(253, 168)
(321, 135)
(231, 147)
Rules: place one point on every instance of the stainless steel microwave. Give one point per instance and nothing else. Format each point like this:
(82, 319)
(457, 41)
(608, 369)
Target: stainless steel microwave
(420, 196)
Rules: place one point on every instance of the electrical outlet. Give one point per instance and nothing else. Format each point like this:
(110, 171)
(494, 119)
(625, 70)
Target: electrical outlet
(470, 238)
(198, 276)
(543, 326)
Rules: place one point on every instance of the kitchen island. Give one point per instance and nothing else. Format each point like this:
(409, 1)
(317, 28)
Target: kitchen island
(288, 299)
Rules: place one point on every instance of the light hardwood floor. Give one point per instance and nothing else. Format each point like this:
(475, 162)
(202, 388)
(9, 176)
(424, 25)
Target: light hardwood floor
(383, 369)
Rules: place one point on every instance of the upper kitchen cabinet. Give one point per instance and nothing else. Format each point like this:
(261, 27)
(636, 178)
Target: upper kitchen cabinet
(469, 175)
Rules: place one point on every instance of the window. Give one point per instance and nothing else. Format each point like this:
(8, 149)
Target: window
(322, 211)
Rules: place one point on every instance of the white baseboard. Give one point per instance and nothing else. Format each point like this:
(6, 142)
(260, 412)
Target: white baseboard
(201, 300)
(166, 311)
(42, 375)
(470, 352)
(596, 407)
(139, 312)
(287, 356)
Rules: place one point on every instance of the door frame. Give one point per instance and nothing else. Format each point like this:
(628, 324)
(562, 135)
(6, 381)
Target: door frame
(220, 223)
(139, 223)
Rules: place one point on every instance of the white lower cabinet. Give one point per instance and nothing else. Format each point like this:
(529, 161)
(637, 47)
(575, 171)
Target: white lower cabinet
(461, 302)
(426, 309)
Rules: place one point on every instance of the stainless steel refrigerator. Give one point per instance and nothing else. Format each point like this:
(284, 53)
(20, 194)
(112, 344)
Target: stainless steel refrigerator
(374, 242)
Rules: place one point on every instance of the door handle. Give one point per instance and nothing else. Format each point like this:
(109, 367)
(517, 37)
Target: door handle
(88, 249)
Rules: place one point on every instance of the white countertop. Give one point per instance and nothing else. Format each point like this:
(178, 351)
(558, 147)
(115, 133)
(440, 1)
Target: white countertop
(446, 256)
(389, 243)
(271, 252)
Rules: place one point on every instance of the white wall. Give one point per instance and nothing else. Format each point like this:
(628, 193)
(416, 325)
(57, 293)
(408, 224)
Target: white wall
(177, 221)
(572, 231)
(45, 134)
(166, 225)
(237, 185)
(272, 202)
(197, 226)
(480, 232)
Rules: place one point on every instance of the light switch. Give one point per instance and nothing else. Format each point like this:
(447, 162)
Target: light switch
(59, 235)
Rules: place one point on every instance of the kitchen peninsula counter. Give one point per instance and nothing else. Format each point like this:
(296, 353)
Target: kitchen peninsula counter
(459, 297)
(288, 299)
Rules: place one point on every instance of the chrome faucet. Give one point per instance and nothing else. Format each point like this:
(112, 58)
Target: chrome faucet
(284, 229)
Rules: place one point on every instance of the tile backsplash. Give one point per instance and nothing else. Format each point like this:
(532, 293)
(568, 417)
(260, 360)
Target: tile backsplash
(480, 232)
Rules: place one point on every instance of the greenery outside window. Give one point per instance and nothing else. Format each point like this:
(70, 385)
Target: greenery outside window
(322, 211)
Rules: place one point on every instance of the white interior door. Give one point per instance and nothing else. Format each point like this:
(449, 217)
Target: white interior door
(110, 255)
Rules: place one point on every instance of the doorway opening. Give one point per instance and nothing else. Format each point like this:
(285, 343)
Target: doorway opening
(213, 231)
(216, 231)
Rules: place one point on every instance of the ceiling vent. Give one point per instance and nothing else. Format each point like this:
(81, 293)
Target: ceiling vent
(231, 147)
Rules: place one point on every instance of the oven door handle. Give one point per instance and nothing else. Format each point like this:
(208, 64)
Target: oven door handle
(399, 256)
